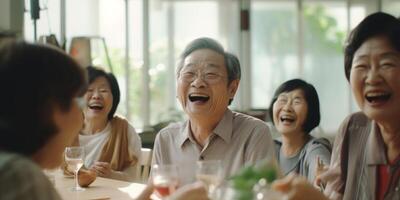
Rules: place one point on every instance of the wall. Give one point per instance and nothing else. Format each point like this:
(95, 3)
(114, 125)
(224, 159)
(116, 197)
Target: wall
(11, 15)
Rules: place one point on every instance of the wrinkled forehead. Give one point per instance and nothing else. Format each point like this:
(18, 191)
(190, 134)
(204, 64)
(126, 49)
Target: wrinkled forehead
(204, 59)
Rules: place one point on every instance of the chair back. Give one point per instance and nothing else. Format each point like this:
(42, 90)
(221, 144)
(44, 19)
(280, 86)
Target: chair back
(144, 164)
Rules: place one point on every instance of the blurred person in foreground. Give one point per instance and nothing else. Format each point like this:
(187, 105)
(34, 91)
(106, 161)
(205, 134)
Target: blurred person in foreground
(207, 80)
(295, 113)
(40, 116)
(366, 156)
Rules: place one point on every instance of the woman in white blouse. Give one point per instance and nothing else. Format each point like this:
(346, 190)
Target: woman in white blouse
(112, 145)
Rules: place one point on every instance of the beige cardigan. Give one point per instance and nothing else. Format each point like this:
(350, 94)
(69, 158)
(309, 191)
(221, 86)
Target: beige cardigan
(116, 150)
(358, 150)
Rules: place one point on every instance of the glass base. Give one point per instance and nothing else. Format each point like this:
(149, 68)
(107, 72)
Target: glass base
(78, 189)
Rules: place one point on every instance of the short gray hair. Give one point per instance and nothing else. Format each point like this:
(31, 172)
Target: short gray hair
(232, 63)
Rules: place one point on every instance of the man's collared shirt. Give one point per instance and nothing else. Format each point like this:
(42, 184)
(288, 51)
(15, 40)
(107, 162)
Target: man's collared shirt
(238, 140)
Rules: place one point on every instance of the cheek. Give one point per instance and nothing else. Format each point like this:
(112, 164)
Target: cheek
(220, 92)
(110, 100)
(301, 112)
(356, 85)
(304, 115)
(275, 112)
(181, 91)
(87, 97)
(78, 116)
(356, 79)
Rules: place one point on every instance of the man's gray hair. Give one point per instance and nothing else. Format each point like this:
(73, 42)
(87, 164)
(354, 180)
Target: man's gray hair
(231, 61)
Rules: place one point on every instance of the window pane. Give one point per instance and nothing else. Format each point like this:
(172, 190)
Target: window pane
(273, 48)
(325, 26)
(48, 23)
(136, 62)
(391, 7)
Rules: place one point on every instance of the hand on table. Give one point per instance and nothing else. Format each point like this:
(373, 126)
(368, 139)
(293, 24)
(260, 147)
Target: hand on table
(86, 177)
(297, 188)
(102, 169)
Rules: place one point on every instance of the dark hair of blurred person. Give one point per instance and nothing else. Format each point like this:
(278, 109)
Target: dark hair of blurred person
(40, 116)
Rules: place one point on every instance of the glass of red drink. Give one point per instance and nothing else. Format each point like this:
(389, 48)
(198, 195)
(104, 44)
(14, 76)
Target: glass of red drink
(165, 179)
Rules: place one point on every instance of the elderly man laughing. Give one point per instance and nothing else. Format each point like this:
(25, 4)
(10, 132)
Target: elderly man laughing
(207, 80)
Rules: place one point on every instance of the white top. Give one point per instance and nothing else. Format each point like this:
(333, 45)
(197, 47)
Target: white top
(93, 145)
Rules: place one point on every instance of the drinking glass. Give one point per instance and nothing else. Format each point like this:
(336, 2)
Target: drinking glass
(165, 179)
(210, 172)
(74, 157)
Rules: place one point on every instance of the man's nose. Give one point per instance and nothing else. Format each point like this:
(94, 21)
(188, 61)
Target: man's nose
(199, 81)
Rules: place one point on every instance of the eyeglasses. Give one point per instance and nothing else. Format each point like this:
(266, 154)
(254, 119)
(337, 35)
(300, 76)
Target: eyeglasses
(209, 77)
(81, 102)
(283, 100)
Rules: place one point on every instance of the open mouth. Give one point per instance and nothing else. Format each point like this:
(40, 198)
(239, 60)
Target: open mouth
(96, 107)
(201, 98)
(377, 97)
(286, 118)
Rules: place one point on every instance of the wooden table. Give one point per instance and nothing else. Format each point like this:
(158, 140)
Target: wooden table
(100, 189)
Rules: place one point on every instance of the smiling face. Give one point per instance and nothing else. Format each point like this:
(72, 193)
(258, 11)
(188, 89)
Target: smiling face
(375, 79)
(290, 112)
(99, 99)
(203, 89)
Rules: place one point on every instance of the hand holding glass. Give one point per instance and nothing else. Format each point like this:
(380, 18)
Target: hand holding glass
(74, 157)
(165, 179)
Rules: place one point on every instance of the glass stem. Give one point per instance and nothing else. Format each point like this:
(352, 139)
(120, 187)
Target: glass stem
(76, 179)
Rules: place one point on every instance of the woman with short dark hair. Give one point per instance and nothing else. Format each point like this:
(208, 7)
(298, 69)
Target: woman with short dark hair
(111, 143)
(40, 116)
(366, 155)
(295, 112)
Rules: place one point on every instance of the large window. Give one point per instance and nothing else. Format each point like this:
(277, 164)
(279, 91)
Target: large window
(287, 39)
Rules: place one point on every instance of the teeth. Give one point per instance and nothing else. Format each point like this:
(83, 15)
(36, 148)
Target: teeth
(96, 104)
(198, 95)
(376, 94)
(287, 117)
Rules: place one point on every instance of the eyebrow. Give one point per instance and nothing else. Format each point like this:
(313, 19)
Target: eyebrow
(298, 97)
(356, 58)
(282, 95)
(208, 65)
(390, 55)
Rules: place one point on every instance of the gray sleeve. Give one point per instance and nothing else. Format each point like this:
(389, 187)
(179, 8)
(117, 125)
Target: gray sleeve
(24, 180)
(320, 151)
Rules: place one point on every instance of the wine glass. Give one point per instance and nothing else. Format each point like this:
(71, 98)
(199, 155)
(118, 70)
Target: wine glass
(210, 172)
(165, 179)
(74, 157)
